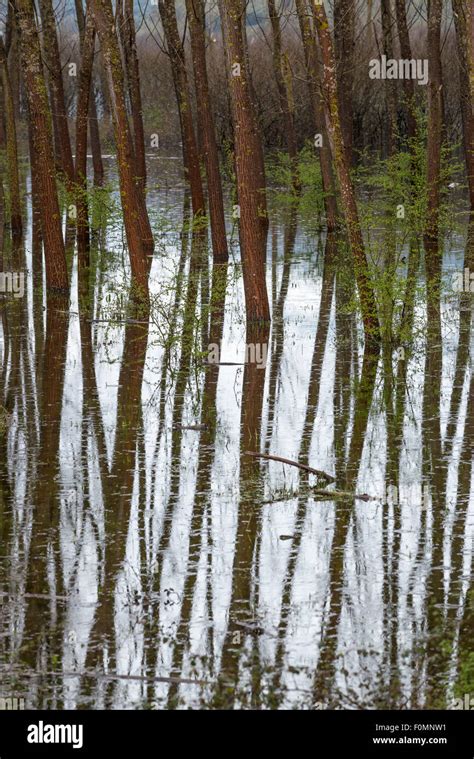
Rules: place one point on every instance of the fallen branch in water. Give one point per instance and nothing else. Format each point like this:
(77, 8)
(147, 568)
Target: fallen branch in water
(270, 457)
(322, 495)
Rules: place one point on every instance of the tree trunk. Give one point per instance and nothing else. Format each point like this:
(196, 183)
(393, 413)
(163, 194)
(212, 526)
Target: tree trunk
(12, 153)
(58, 106)
(344, 42)
(390, 84)
(126, 34)
(316, 96)
(435, 114)
(40, 119)
(197, 26)
(252, 204)
(462, 16)
(36, 231)
(94, 134)
(286, 105)
(82, 112)
(256, 134)
(11, 49)
(129, 46)
(351, 214)
(138, 244)
(435, 122)
(405, 50)
(178, 65)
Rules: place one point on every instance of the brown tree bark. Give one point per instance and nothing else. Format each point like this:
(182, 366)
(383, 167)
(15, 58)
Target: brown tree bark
(349, 204)
(250, 196)
(344, 43)
(178, 64)
(58, 105)
(129, 46)
(286, 104)
(256, 134)
(39, 115)
(94, 133)
(406, 54)
(12, 53)
(12, 151)
(3, 134)
(137, 237)
(316, 97)
(435, 125)
(197, 25)
(36, 231)
(82, 112)
(462, 19)
(390, 84)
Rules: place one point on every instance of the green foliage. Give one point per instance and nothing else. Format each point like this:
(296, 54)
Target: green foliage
(386, 185)
(465, 682)
(310, 202)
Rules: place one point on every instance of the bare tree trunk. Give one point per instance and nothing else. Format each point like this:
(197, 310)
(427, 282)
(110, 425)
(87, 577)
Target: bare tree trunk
(12, 152)
(435, 119)
(351, 214)
(82, 111)
(431, 233)
(3, 134)
(126, 33)
(316, 95)
(58, 106)
(93, 118)
(36, 231)
(390, 84)
(129, 46)
(256, 134)
(197, 26)
(462, 17)
(405, 50)
(138, 243)
(39, 115)
(94, 135)
(344, 42)
(252, 204)
(178, 64)
(282, 75)
(11, 50)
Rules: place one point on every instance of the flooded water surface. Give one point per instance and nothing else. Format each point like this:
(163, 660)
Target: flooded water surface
(156, 552)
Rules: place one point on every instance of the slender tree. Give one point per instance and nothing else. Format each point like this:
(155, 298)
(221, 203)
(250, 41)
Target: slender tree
(406, 53)
(251, 201)
(463, 24)
(129, 45)
(256, 135)
(94, 133)
(52, 59)
(390, 84)
(40, 120)
(283, 81)
(137, 225)
(344, 44)
(11, 48)
(197, 26)
(435, 125)
(314, 76)
(82, 111)
(348, 198)
(11, 140)
(180, 76)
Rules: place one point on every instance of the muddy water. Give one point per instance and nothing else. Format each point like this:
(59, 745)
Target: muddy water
(148, 560)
